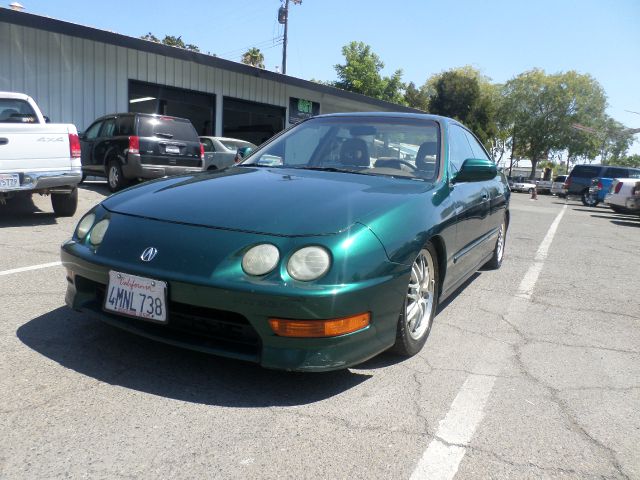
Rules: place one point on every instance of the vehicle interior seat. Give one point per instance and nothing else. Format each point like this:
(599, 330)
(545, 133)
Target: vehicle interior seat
(354, 152)
(7, 112)
(426, 159)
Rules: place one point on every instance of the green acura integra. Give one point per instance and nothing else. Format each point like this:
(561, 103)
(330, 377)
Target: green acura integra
(331, 243)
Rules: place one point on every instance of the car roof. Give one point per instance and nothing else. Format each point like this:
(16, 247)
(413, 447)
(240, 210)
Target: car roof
(417, 116)
(130, 114)
(14, 95)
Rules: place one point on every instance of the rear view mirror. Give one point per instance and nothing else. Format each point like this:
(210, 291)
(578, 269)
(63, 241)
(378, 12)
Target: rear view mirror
(476, 170)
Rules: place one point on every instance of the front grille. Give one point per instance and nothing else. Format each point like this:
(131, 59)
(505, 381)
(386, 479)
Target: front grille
(205, 329)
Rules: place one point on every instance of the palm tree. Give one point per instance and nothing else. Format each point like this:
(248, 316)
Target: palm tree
(253, 57)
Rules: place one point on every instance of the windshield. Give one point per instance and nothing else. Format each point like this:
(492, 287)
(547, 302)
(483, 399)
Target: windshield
(236, 144)
(398, 147)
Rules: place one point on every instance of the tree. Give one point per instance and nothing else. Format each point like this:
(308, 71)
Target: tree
(361, 74)
(458, 94)
(545, 108)
(416, 97)
(629, 161)
(253, 57)
(171, 41)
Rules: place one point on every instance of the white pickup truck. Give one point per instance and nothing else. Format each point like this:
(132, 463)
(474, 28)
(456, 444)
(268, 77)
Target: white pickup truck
(37, 156)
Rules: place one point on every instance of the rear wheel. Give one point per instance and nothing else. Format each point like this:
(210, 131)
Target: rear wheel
(530, 191)
(65, 204)
(420, 304)
(115, 177)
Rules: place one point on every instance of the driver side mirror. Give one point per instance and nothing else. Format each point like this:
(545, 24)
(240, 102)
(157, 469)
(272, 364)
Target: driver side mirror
(476, 170)
(82, 136)
(47, 119)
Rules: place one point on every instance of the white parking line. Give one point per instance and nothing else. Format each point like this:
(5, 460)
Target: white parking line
(441, 459)
(32, 267)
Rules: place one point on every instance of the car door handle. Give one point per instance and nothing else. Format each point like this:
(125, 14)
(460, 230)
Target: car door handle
(484, 196)
(4, 141)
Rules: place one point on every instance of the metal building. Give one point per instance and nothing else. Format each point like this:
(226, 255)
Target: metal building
(77, 73)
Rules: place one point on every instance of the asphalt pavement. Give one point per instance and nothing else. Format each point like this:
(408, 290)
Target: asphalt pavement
(531, 371)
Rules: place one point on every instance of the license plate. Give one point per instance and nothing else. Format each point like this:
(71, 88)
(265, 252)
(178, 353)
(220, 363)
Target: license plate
(172, 149)
(137, 297)
(9, 180)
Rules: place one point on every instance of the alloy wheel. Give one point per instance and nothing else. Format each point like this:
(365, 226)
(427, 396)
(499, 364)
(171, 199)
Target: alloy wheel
(420, 295)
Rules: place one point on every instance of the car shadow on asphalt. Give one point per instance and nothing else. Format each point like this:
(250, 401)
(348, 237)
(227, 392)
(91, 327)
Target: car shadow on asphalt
(626, 224)
(22, 212)
(113, 356)
(96, 186)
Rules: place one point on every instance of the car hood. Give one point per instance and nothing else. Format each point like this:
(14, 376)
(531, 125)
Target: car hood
(276, 201)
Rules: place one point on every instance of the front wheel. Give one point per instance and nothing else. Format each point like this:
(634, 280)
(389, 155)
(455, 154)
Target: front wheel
(65, 204)
(498, 250)
(420, 304)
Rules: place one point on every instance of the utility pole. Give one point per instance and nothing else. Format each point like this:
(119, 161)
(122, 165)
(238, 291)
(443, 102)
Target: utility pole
(283, 18)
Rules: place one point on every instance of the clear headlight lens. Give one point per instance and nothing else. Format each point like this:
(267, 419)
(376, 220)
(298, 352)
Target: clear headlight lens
(85, 225)
(97, 232)
(261, 259)
(309, 263)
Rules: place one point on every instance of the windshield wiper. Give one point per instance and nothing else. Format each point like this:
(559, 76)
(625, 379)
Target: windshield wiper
(333, 169)
(164, 135)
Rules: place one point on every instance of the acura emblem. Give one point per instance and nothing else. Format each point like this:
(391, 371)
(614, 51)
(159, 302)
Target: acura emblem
(149, 254)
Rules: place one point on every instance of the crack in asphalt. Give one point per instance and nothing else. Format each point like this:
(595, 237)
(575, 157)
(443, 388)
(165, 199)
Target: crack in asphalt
(554, 396)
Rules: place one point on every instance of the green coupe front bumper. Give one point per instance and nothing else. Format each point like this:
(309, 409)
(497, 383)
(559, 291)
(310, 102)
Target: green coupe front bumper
(234, 322)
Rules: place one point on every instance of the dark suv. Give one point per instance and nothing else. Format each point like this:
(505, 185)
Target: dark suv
(579, 179)
(128, 146)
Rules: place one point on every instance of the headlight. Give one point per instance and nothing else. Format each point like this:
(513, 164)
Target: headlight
(97, 232)
(85, 225)
(261, 259)
(309, 263)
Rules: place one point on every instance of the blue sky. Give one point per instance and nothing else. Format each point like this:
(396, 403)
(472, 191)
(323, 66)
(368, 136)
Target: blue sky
(500, 37)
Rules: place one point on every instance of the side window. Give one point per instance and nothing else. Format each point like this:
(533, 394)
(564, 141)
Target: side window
(459, 148)
(207, 144)
(476, 148)
(108, 128)
(615, 172)
(124, 126)
(92, 131)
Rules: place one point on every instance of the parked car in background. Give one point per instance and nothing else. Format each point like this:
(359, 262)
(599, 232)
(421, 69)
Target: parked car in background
(523, 186)
(579, 180)
(543, 186)
(222, 152)
(129, 146)
(341, 252)
(37, 156)
(557, 186)
(624, 195)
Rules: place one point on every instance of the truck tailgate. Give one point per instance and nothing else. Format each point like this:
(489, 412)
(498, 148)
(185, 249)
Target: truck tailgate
(35, 148)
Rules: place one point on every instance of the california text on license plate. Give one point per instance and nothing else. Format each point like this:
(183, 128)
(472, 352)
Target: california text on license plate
(137, 297)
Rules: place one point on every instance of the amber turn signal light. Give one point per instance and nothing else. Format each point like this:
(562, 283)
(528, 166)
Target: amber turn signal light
(319, 328)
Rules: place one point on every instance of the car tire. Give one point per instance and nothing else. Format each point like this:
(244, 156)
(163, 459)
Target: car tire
(65, 204)
(115, 177)
(498, 251)
(530, 191)
(588, 200)
(421, 301)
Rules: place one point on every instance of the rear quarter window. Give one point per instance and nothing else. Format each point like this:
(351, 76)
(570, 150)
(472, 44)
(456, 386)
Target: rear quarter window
(174, 128)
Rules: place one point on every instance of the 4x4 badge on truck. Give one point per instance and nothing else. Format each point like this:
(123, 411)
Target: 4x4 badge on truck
(149, 254)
